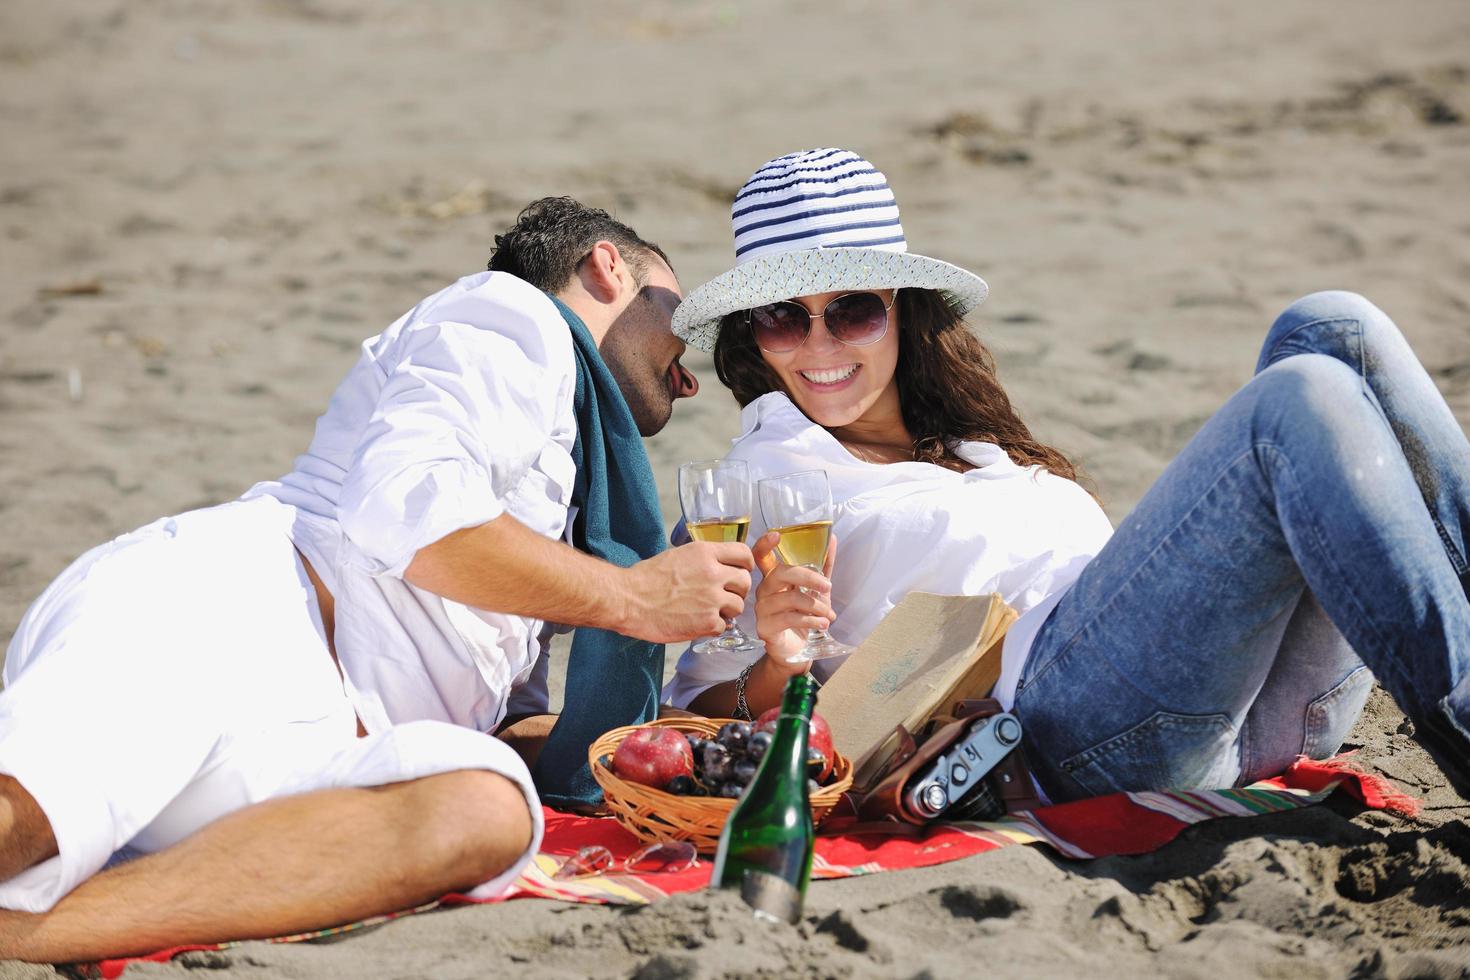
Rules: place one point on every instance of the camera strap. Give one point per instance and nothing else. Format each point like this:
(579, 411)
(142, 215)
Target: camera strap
(879, 807)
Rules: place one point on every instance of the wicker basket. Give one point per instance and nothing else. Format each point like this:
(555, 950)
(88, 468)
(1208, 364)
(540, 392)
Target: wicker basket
(653, 815)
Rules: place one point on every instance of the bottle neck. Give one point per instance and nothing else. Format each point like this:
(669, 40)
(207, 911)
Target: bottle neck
(799, 698)
(789, 742)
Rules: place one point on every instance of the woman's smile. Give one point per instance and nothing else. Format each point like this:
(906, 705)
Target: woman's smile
(829, 379)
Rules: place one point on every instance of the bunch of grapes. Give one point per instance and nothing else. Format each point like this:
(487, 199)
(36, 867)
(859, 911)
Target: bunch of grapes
(725, 764)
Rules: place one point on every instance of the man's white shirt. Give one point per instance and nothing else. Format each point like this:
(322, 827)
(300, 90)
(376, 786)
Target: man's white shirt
(459, 412)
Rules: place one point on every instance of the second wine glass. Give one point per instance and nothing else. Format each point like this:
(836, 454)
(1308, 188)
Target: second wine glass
(715, 497)
(798, 506)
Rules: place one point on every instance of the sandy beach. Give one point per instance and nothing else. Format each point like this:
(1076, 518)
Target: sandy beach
(205, 207)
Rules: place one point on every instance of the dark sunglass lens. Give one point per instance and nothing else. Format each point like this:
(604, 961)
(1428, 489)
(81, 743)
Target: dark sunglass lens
(779, 327)
(857, 318)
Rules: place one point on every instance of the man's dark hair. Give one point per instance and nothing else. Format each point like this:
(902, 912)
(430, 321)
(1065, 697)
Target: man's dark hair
(552, 236)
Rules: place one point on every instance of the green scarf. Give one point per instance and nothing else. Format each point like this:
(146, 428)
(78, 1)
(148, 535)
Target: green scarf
(612, 680)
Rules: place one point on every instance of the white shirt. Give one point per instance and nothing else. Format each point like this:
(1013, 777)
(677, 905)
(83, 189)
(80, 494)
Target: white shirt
(457, 413)
(902, 527)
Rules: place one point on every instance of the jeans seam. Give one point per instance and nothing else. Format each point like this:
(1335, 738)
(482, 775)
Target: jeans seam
(1278, 354)
(1318, 707)
(1457, 561)
(1315, 710)
(1246, 745)
(1137, 570)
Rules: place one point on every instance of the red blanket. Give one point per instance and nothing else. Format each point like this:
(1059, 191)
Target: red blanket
(1124, 823)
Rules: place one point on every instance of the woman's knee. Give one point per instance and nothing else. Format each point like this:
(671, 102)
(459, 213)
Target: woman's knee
(1341, 324)
(1329, 304)
(1326, 306)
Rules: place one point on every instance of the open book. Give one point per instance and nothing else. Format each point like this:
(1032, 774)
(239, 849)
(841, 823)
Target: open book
(928, 652)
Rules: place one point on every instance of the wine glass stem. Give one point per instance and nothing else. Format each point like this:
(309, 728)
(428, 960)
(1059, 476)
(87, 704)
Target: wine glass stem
(813, 635)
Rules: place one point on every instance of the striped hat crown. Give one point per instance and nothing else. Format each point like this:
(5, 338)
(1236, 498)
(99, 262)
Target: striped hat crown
(826, 198)
(817, 221)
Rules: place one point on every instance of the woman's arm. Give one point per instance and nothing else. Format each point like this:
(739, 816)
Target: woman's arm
(783, 614)
(763, 690)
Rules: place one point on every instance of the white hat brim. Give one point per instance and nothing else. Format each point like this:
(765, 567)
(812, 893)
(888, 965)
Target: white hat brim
(785, 275)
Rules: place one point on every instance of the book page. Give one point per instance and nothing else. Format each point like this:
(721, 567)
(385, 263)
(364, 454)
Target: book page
(927, 647)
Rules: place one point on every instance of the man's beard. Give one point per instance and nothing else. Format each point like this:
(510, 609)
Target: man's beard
(650, 404)
(648, 398)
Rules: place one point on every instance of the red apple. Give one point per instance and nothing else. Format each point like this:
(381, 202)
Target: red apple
(820, 737)
(653, 756)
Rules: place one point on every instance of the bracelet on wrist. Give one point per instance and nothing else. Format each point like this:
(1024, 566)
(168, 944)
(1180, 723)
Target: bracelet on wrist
(742, 710)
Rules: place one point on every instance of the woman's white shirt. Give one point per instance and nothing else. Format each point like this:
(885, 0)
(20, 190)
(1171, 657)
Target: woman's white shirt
(904, 527)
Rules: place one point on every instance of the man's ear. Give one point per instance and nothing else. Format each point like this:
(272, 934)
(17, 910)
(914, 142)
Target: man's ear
(604, 274)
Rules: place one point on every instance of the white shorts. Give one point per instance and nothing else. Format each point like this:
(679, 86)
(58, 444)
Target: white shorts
(181, 672)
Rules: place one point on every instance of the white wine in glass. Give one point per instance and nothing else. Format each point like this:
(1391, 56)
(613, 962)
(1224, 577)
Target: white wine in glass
(798, 506)
(715, 497)
(804, 544)
(719, 531)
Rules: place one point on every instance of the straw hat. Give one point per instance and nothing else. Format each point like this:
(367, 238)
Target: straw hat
(816, 221)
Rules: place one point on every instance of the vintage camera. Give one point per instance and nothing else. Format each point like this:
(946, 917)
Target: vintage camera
(960, 783)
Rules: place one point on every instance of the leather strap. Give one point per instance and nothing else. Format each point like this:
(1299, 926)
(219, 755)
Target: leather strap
(881, 802)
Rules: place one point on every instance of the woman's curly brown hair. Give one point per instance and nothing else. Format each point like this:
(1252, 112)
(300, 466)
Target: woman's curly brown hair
(947, 387)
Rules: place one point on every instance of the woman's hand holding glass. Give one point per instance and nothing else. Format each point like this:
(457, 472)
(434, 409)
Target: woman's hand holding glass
(798, 508)
(790, 601)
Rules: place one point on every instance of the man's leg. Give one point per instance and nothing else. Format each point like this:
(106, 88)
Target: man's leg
(96, 740)
(25, 833)
(289, 865)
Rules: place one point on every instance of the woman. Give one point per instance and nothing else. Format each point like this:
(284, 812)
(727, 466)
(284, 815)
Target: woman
(1315, 525)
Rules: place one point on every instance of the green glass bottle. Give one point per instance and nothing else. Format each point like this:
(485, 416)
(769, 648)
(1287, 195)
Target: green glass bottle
(766, 847)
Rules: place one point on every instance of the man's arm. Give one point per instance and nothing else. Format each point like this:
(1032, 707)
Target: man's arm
(424, 495)
(503, 565)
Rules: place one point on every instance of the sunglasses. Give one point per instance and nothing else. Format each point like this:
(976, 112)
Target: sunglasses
(664, 857)
(855, 319)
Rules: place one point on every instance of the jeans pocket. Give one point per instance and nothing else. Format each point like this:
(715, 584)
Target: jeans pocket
(1332, 715)
(1165, 751)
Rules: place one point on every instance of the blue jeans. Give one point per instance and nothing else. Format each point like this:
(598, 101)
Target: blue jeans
(1316, 524)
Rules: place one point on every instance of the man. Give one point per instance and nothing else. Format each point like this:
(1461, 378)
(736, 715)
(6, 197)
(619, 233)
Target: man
(281, 702)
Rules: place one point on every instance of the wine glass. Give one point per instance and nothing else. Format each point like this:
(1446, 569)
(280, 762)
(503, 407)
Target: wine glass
(798, 506)
(715, 496)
